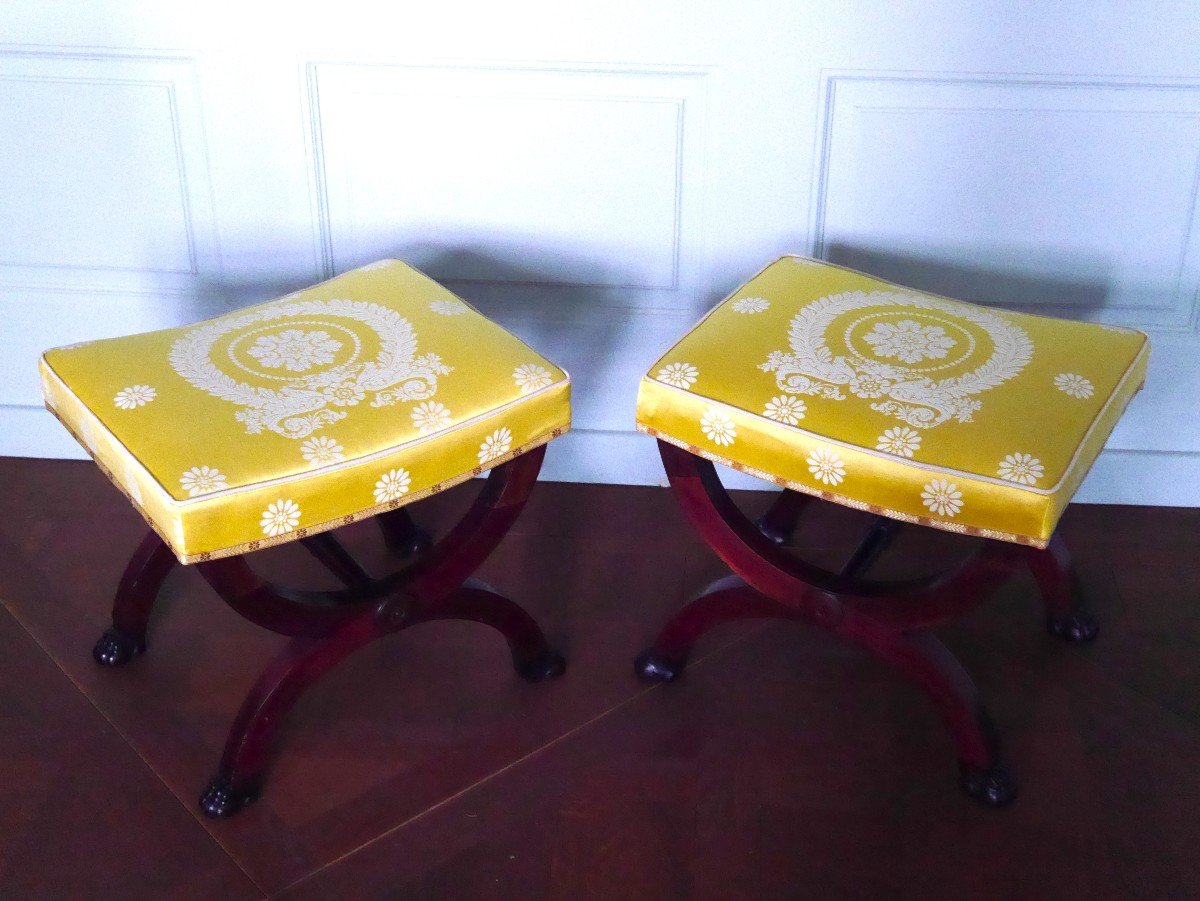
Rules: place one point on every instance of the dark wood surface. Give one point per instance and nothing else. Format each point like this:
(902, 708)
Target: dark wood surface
(782, 765)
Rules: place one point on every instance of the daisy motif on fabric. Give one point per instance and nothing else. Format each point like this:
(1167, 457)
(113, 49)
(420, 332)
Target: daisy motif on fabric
(495, 445)
(826, 466)
(202, 480)
(751, 305)
(297, 349)
(942, 497)
(869, 386)
(1024, 469)
(429, 416)
(322, 450)
(901, 441)
(680, 375)
(391, 485)
(134, 396)
(531, 377)
(786, 409)
(909, 341)
(280, 517)
(1073, 385)
(717, 427)
(448, 307)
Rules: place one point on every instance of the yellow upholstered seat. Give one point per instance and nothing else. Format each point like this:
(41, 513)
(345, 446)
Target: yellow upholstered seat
(924, 409)
(335, 403)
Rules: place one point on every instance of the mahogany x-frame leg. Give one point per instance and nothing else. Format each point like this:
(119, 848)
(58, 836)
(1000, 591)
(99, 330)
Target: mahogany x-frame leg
(890, 619)
(327, 626)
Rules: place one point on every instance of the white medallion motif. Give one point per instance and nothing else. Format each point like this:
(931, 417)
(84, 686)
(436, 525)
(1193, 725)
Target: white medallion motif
(301, 405)
(942, 497)
(679, 375)
(280, 517)
(202, 480)
(901, 441)
(911, 394)
(1024, 469)
(392, 485)
(134, 396)
(718, 427)
(495, 445)
(826, 466)
(1074, 385)
(297, 349)
(322, 450)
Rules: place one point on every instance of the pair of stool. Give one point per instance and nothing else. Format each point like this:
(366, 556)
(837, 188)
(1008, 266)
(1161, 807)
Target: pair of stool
(352, 399)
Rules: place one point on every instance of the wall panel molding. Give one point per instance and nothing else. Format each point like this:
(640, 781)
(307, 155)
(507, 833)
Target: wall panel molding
(1071, 219)
(111, 188)
(562, 176)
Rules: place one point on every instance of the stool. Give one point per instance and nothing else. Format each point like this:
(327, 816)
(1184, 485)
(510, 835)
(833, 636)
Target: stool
(914, 408)
(284, 421)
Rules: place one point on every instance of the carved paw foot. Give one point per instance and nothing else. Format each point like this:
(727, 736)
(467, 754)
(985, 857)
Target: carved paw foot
(116, 647)
(653, 667)
(549, 664)
(1079, 626)
(992, 787)
(221, 799)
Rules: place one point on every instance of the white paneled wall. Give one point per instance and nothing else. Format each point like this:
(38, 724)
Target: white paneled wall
(596, 175)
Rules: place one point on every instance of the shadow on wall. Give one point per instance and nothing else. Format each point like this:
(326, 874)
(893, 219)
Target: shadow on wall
(1073, 297)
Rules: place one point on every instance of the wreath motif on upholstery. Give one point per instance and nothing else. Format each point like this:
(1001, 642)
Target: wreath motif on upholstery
(909, 394)
(301, 405)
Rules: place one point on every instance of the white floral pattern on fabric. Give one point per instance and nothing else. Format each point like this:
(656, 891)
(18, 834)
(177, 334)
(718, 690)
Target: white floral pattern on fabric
(1073, 385)
(530, 377)
(1024, 469)
(280, 517)
(786, 409)
(392, 485)
(751, 305)
(495, 445)
(322, 450)
(448, 307)
(680, 375)
(901, 441)
(429, 416)
(297, 349)
(826, 466)
(909, 341)
(717, 427)
(347, 394)
(134, 396)
(202, 480)
(942, 497)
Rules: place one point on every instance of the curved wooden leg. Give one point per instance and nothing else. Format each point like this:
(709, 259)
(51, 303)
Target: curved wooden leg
(533, 658)
(136, 594)
(1066, 615)
(247, 751)
(724, 601)
(779, 522)
(927, 662)
(403, 537)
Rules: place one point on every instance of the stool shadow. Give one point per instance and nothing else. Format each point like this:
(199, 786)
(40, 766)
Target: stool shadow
(1084, 297)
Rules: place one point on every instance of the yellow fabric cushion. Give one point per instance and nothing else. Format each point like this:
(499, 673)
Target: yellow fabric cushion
(335, 403)
(930, 410)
